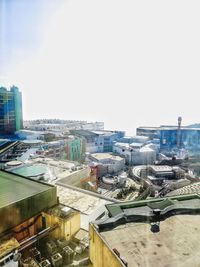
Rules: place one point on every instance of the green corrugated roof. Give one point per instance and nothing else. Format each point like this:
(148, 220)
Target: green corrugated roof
(22, 198)
(117, 208)
(14, 188)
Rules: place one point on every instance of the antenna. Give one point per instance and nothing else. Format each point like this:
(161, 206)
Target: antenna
(179, 132)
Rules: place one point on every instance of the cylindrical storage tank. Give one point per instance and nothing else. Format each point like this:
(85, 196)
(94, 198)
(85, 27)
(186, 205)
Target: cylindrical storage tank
(13, 163)
(122, 179)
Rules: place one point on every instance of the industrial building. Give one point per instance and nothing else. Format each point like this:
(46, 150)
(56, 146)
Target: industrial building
(50, 170)
(70, 148)
(57, 125)
(150, 132)
(93, 142)
(135, 153)
(98, 141)
(154, 232)
(140, 139)
(159, 180)
(20, 151)
(107, 163)
(30, 135)
(10, 110)
(188, 138)
(21, 206)
(36, 230)
(173, 136)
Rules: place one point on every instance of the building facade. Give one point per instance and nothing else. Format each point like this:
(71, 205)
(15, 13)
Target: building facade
(135, 155)
(70, 149)
(10, 110)
(98, 141)
(107, 163)
(151, 132)
(188, 138)
(57, 125)
(173, 137)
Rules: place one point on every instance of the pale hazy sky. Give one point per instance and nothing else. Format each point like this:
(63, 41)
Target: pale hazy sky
(127, 63)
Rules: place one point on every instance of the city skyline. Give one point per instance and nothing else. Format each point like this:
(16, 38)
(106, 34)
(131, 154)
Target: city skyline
(105, 61)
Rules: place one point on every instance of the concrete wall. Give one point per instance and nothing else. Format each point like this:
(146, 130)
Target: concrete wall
(116, 166)
(136, 157)
(100, 254)
(95, 145)
(67, 226)
(76, 177)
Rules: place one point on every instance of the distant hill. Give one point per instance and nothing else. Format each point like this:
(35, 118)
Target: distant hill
(195, 125)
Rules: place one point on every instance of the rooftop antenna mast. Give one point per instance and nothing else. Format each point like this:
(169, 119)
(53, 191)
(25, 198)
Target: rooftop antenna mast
(179, 132)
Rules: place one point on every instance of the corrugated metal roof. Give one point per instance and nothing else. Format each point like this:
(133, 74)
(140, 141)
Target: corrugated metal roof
(22, 198)
(14, 188)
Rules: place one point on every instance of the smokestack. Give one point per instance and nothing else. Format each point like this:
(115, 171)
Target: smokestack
(179, 122)
(179, 132)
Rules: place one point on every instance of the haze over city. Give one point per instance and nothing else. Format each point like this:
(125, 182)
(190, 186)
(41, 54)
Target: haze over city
(126, 63)
(84, 180)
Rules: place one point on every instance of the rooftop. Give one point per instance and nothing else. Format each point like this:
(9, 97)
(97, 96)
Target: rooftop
(189, 189)
(122, 145)
(30, 170)
(83, 202)
(141, 137)
(104, 133)
(177, 244)
(128, 229)
(136, 144)
(101, 156)
(161, 168)
(14, 188)
(163, 127)
(89, 206)
(146, 149)
(18, 194)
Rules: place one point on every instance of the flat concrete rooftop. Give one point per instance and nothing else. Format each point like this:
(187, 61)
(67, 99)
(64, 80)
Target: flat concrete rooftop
(161, 168)
(90, 207)
(85, 203)
(176, 245)
(102, 156)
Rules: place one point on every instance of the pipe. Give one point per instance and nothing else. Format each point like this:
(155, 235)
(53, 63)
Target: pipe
(28, 242)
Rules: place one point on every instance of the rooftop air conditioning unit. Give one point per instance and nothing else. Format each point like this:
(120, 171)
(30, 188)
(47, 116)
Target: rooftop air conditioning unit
(57, 260)
(45, 263)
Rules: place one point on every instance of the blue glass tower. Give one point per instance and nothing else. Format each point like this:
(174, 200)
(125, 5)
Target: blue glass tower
(10, 110)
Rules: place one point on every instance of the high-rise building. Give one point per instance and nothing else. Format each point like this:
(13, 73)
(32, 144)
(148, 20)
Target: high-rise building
(10, 110)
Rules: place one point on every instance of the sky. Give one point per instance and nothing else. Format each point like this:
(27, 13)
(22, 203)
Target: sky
(127, 63)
